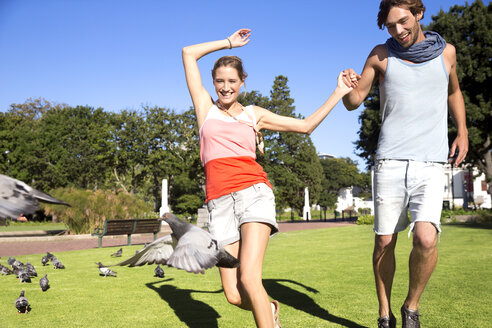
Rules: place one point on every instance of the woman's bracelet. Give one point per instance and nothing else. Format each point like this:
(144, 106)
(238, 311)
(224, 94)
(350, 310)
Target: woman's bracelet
(230, 44)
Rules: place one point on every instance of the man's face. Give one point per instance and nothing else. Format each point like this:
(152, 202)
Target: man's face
(403, 26)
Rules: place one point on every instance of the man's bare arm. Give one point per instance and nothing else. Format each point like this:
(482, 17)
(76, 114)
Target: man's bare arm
(371, 72)
(457, 109)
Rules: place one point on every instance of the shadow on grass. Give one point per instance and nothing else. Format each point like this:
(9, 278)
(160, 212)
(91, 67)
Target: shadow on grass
(195, 314)
(300, 301)
(476, 225)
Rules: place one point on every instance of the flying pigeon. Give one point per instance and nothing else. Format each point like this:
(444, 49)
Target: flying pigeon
(118, 253)
(196, 249)
(30, 270)
(158, 271)
(57, 264)
(17, 197)
(157, 252)
(22, 304)
(105, 270)
(44, 283)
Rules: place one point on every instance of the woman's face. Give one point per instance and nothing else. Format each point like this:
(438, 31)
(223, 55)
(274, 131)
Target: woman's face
(227, 84)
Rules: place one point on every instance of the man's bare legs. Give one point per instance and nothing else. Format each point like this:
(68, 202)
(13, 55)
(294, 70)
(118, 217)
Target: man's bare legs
(423, 259)
(383, 260)
(243, 287)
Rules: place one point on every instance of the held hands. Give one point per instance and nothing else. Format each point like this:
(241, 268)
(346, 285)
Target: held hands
(350, 78)
(240, 38)
(347, 83)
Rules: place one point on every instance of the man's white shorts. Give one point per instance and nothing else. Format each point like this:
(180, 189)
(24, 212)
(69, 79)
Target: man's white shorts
(229, 212)
(404, 185)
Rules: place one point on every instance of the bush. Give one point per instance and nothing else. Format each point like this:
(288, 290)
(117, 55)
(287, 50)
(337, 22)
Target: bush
(365, 219)
(478, 216)
(89, 208)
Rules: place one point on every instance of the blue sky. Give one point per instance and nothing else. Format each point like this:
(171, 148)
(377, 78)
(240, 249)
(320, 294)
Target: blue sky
(119, 54)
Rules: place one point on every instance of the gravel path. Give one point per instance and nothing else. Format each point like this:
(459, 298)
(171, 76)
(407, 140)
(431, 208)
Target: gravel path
(22, 245)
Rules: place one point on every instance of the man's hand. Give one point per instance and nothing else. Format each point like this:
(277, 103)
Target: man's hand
(458, 151)
(350, 78)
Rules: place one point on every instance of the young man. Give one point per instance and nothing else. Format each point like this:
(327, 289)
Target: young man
(417, 83)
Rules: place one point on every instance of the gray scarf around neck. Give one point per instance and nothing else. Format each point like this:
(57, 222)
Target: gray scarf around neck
(428, 49)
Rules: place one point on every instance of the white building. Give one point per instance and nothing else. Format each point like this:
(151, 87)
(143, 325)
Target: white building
(465, 187)
(346, 199)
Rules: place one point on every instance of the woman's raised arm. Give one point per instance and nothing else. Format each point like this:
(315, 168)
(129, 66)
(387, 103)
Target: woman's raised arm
(191, 54)
(271, 121)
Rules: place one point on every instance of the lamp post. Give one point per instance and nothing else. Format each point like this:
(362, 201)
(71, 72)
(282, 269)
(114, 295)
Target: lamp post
(7, 152)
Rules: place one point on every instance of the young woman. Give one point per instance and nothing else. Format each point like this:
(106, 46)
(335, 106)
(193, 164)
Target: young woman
(238, 195)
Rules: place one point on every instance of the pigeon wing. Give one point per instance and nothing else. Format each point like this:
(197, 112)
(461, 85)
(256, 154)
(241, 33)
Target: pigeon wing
(157, 252)
(195, 252)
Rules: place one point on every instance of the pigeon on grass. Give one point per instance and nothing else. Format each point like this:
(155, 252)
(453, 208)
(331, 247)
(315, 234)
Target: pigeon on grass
(105, 270)
(195, 251)
(118, 253)
(14, 263)
(44, 283)
(5, 271)
(57, 264)
(45, 260)
(22, 304)
(24, 276)
(11, 260)
(159, 272)
(30, 270)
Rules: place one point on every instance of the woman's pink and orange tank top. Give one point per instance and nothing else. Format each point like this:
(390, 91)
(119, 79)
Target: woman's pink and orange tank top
(228, 153)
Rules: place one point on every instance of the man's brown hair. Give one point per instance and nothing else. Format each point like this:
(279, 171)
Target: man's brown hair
(415, 7)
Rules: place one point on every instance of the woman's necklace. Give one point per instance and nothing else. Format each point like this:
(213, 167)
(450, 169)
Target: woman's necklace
(252, 123)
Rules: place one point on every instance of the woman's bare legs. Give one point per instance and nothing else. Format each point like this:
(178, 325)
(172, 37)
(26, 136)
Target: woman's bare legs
(243, 287)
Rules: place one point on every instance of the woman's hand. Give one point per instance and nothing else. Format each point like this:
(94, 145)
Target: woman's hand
(240, 38)
(347, 81)
(351, 78)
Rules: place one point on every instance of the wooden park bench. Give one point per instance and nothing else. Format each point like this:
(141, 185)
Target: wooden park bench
(128, 227)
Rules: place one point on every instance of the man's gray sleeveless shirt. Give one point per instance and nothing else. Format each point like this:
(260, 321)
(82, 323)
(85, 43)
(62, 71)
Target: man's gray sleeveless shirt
(414, 106)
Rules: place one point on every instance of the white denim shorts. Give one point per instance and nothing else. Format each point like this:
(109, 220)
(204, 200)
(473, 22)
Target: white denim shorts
(229, 212)
(403, 185)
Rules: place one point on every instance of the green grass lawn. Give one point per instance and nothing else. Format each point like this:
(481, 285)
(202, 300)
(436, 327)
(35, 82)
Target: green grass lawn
(30, 226)
(322, 278)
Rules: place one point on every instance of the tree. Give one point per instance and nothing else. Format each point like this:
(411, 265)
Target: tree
(20, 133)
(340, 173)
(370, 125)
(130, 144)
(468, 29)
(76, 145)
